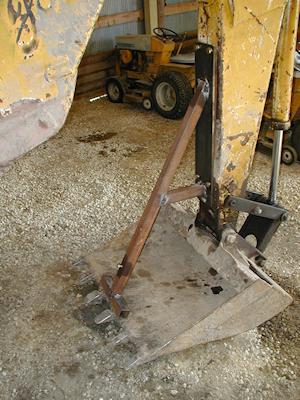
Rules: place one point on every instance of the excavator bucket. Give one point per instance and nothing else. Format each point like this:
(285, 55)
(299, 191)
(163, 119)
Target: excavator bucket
(187, 288)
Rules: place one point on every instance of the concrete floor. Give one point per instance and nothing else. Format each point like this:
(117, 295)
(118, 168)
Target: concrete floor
(70, 195)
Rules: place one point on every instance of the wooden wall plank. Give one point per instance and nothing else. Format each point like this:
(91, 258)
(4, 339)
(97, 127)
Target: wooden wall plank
(179, 8)
(91, 93)
(93, 72)
(90, 87)
(120, 18)
(138, 15)
(100, 56)
(97, 76)
(99, 66)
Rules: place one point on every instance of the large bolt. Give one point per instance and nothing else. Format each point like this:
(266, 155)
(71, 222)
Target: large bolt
(232, 203)
(284, 217)
(230, 239)
(257, 210)
(163, 199)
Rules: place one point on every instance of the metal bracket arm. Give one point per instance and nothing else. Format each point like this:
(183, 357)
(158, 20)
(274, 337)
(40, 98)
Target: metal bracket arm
(153, 206)
(263, 220)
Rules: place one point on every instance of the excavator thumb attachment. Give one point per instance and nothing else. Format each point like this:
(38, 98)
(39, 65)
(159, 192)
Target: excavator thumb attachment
(192, 285)
(188, 289)
(199, 279)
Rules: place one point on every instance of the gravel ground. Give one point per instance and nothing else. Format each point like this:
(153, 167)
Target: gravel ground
(70, 195)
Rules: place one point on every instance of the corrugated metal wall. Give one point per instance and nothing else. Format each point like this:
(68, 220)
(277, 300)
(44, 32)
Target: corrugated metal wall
(181, 22)
(102, 39)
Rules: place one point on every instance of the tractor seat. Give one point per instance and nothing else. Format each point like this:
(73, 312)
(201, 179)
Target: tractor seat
(187, 58)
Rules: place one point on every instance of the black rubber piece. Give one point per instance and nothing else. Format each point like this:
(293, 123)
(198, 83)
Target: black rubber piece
(183, 90)
(116, 82)
(165, 33)
(296, 137)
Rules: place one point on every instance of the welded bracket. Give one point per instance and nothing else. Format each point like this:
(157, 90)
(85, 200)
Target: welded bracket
(117, 301)
(113, 287)
(208, 214)
(263, 218)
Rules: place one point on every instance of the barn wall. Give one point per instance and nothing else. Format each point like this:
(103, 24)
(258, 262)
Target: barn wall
(181, 22)
(102, 39)
(121, 17)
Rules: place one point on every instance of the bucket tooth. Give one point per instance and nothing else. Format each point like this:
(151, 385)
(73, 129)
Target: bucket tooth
(94, 297)
(104, 317)
(189, 289)
(121, 338)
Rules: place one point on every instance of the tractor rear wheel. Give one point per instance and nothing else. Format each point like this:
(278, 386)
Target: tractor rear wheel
(171, 93)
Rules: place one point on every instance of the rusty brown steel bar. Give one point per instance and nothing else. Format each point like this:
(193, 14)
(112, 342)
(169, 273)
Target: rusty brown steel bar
(182, 193)
(151, 211)
(117, 302)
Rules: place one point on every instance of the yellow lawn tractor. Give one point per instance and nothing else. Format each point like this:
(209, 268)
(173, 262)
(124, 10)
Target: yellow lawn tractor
(148, 72)
(152, 71)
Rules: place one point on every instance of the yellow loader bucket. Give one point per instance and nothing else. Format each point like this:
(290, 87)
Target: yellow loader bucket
(42, 43)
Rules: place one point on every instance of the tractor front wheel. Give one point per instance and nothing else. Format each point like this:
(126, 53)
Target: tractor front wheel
(114, 90)
(171, 93)
(296, 138)
(289, 155)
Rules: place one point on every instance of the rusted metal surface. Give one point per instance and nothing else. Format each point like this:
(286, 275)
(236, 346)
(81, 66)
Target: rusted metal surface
(183, 193)
(42, 42)
(117, 301)
(151, 211)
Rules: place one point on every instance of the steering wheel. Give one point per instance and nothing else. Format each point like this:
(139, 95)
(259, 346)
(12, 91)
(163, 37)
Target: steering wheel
(165, 33)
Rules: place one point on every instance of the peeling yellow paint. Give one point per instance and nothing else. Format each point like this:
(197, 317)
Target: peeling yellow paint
(29, 65)
(21, 70)
(284, 64)
(42, 42)
(245, 34)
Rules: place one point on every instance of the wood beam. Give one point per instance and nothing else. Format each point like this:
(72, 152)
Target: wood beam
(151, 15)
(161, 13)
(154, 14)
(179, 8)
(120, 18)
